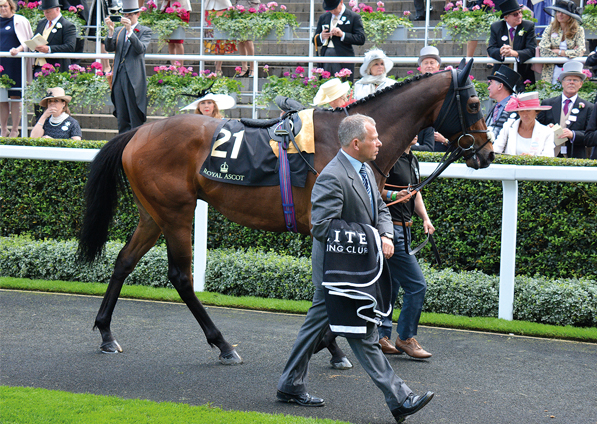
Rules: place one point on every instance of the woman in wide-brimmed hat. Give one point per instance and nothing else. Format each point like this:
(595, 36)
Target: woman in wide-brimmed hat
(333, 92)
(563, 37)
(56, 121)
(525, 136)
(374, 71)
(210, 104)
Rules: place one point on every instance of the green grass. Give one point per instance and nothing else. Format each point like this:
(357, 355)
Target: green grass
(25, 405)
(300, 307)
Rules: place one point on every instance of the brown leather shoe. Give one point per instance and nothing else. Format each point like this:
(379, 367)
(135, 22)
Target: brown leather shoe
(387, 347)
(412, 348)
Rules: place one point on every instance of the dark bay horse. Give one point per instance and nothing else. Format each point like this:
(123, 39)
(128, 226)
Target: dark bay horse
(162, 162)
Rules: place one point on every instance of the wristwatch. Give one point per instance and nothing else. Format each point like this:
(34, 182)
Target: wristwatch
(388, 235)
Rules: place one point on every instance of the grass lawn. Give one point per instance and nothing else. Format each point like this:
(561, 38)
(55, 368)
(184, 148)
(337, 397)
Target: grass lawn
(300, 307)
(26, 405)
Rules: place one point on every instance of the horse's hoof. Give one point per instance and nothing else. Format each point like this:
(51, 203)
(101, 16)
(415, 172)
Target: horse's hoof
(111, 347)
(230, 358)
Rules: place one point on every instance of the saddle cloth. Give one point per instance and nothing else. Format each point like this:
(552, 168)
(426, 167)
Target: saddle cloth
(244, 155)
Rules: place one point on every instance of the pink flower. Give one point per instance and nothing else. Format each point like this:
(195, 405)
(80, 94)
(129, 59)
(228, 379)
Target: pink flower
(326, 74)
(272, 4)
(282, 7)
(169, 10)
(458, 3)
(476, 7)
(80, 7)
(22, 3)
(72, 9)
(343, 73)
(380, 4)
(97, 66)
(160, 81)
(266, 68)
(240, 7)
(262, 8)
(449, 6)
(587, 72)
(352, 3)
(238, 69)
(195, 74)
(299, 69)
(489, 3)
(367, 9)
(356, 9)
(151, 5)
(1, 68)
(381, 9)
(471, 77)
(406, 13)
(286, 74)
(361, 5)
(143, 9)
(99, 73)
(176, 4)
(409, 72)
(527, 82)
(449, 68)
(206, 72)
(252, 10)
(581, 105)
(465, 9)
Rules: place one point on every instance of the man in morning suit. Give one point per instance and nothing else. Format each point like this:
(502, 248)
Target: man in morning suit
(513, 37)
(129, 82)
(570, 111)
(346, 190)
(337, 31)
(501, 86)
(60, 34)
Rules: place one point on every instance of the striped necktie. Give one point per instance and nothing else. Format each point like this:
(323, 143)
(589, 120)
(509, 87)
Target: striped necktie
(365, 178)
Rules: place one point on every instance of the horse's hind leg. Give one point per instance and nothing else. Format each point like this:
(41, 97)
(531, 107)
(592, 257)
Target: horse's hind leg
(178, 240)
(144, 237)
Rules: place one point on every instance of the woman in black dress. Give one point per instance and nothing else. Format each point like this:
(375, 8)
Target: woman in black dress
(56, 121)
(14, 30)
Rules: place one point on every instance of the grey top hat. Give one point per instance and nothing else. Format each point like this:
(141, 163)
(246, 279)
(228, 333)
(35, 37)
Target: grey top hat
(572, 68)
(49, 4)
(567, 7)
(430, 51)
(130, 6)
(508, 7)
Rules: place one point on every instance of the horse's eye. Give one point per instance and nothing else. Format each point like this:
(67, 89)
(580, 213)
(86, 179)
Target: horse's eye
(473, 108)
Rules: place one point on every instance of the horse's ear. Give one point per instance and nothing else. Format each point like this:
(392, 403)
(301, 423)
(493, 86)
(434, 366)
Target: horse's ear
(464, 72)
(461, 64)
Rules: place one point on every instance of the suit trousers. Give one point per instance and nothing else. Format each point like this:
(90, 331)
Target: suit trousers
(406, 273)
(128, 114)
(367, 351)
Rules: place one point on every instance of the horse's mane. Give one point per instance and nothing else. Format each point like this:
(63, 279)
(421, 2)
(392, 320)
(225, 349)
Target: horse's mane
(383, 91)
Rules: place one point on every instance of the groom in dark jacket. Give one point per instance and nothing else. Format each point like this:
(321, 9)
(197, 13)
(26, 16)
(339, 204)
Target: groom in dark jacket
(129, 80)
(337, 31)
(513, 37)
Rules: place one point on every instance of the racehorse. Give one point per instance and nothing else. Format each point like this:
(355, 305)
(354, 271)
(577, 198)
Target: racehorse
(162, 162)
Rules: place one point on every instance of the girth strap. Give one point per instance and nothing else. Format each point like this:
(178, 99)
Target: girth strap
(284, 173)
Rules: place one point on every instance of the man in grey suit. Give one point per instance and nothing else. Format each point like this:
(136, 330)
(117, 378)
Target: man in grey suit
(129, 80)
(346, 190)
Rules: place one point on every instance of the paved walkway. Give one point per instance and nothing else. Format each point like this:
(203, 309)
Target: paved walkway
(46, 341)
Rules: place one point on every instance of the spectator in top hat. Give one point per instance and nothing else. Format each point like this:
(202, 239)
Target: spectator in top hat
(563, 37)
(513, 37)
(129, 81)
(429, 140)
(60, 34)
(337, 31)
(501, 86)
(569, 111)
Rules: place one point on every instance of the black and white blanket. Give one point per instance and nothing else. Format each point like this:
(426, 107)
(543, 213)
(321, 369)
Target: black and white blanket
(357, 284)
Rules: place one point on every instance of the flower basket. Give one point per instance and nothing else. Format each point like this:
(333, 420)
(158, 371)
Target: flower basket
(287, 35)
(243, 24)
(3, 94)
(166, 89)
(462, 24)
(297, 85)
(589, 19)
(164, 24)
(5, 81)
(380, 26)
(87, 86)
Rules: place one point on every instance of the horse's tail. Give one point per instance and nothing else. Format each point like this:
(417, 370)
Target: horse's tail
(106, 178)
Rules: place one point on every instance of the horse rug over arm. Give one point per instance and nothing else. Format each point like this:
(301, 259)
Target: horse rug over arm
(356, 281)
(246, 155)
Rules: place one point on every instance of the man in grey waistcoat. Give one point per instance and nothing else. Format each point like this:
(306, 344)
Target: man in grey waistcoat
(346, 190)
(129, 80)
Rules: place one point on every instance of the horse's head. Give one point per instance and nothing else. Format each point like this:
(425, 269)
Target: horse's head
(461, 121)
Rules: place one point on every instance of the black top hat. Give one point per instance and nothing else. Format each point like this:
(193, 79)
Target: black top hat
(330, 4)
(567, 7)
(505, 75)
(49, 4)
(509, 6)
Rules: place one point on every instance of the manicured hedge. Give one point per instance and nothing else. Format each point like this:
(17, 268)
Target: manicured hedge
(251, 273)
(557, 227)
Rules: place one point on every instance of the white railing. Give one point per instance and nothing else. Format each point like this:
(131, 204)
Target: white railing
(508, 174)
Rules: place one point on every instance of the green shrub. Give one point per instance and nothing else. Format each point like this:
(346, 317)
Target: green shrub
(560, 302)
(557, 225)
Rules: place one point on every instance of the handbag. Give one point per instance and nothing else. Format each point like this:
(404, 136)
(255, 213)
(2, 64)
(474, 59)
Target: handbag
(537, 67)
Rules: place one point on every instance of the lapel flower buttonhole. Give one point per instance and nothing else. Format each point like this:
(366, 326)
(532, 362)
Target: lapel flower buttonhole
(521, 32)
(136, 30)
(58, 25)
(581, 105)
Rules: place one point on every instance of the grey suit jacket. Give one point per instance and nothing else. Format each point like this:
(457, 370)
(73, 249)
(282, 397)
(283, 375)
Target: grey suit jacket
(133, 54)
(339, 193)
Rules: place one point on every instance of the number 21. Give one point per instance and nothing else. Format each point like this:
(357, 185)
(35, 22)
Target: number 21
(238, 138)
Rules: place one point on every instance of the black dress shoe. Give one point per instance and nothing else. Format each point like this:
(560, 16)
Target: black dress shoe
(304, 399)
(412, 404)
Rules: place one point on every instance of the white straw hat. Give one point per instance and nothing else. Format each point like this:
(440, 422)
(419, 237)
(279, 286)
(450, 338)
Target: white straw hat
(330, 91)
(372, 55)
(224, 101)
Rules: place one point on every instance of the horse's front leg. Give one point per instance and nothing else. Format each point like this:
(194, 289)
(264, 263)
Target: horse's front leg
(144, 237)
(179, 273)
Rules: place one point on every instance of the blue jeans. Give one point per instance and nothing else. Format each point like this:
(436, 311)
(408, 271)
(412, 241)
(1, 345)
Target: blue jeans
(406, 273)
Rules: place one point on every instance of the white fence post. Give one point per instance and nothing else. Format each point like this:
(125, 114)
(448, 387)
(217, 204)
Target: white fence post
(508, 250)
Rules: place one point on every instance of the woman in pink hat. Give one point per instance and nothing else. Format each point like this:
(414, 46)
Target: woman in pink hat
(525, 135)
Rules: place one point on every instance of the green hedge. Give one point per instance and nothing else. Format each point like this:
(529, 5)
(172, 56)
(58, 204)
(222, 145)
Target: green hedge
(561, 302)
(557, 227)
